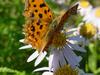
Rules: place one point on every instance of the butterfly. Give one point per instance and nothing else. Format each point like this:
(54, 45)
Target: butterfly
(41, 26)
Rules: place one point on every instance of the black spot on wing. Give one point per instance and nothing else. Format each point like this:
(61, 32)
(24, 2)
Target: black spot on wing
(38, 23)
(40, 15)
(34, 5)
(42, 5)
(41, 26)
(36, 10)
(33, 0)
(32, 28)
(45, 11)
(38, 33)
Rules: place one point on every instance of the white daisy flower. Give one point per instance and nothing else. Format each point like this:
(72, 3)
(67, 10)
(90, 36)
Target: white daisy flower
(62, 52)
(60, 57)
(64, 70)
(65, 54)
(86, 32)
(94, 18)
(84, 7)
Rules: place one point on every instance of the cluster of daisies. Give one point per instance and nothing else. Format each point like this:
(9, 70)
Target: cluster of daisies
(90, 28)
(63, 60)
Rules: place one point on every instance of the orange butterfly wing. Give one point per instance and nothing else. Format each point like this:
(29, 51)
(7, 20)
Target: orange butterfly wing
(40, 29)
(66, 15)
(38, 17)
(58, 27)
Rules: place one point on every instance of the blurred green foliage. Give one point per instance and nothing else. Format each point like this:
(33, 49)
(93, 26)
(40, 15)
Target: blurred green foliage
(13, 60)
(11, 21)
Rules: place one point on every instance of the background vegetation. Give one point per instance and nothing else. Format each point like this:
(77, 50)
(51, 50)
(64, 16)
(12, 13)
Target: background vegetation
(13, 60)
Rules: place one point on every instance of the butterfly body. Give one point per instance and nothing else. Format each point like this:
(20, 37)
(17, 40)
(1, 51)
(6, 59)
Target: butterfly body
(40, 27)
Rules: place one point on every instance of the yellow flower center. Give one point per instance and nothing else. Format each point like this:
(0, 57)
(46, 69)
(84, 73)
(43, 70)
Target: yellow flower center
(97, 12)
(88, 30)
(59, 40)
(84, 3)
(66, 70)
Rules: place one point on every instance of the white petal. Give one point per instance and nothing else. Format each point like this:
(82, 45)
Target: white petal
(71, 31)
(47, 58)
(62, 58)
(50, 61)
(41, 69)
(40, 57)
(22, 40)
(77, 48)
(33, 56)
(23, 33)
(47, 73)
(55, 60)
(25, 47)
(76, 38)
(71, 57)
